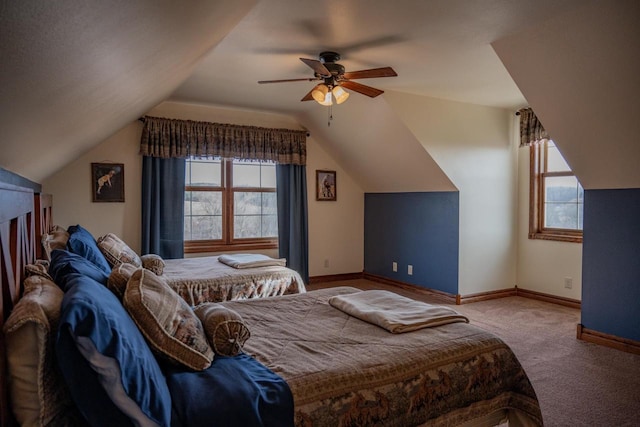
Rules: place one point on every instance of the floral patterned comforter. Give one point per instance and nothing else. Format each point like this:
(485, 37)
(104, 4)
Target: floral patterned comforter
(205, 279)
(346, 372)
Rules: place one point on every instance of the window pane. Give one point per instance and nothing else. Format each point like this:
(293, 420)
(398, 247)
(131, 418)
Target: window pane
(561, 189)
(247, 203)
(246, 174)
(563, 203)
(255, 215)
(270, 226)
(555, 161)
(254, 174)
(561, 215)
(247, 226)
(206, 227)
(269, 204)
(203, 215)
(203, 172)
(268, 171)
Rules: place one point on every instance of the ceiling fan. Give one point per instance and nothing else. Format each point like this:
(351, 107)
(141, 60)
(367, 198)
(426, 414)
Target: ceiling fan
(335, 79)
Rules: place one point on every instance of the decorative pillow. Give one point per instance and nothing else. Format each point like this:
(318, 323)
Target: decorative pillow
(166, 320)
(224, 327)
(154, 263)
(119, 277)
(57, 238)
(64, 264)
(81, 242)
(39, 268)
(39, 394)
(119, 382)
(116, 251)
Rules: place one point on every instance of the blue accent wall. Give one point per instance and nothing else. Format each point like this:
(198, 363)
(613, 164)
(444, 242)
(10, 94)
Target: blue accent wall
(611, 262)
(421, 229)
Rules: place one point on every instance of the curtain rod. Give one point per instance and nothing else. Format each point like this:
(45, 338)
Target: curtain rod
(141, 119)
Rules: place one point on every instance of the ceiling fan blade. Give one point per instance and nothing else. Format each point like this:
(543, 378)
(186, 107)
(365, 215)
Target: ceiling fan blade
(360, 88)
(288, 80)
(372, 73)
(317, 66)
(308, 96)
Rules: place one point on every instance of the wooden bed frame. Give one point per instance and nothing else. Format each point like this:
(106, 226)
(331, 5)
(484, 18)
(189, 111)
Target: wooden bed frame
(24, 217)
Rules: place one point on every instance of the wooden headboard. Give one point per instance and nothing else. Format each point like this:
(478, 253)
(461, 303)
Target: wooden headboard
(24, 217)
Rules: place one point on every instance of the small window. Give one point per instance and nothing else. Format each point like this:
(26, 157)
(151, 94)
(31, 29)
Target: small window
(229, 205)
(556, 196)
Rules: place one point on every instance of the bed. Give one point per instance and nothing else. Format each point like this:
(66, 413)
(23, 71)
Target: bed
(205, 279)
(312, 363)
(197, 279)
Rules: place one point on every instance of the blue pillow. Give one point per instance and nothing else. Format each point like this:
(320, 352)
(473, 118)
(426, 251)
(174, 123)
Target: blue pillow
(81, 242)
(105, 361)
(64, 263)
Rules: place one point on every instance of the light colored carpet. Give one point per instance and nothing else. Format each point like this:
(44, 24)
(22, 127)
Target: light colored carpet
(577, 383)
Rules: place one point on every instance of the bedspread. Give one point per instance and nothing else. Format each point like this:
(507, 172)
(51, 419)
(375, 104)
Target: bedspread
(346, 372)
(205, 279)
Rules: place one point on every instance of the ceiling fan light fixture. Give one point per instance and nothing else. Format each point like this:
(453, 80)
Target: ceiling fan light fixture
(340, 94)
(319, 93)
(327, 100)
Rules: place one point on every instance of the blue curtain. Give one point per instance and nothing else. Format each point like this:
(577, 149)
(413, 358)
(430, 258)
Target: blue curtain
(293, 230)
(163, 206)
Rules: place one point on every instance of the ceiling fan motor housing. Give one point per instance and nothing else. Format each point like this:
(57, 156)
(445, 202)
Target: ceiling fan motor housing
(328, 56)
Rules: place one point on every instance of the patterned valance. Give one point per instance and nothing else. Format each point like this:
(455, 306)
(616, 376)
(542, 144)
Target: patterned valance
(184, 138)
(531, 130)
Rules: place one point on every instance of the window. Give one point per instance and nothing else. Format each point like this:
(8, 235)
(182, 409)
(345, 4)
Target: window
(229, 205)
(556, 196)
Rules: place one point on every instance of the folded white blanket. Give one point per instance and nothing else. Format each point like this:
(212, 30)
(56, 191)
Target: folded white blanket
(251, 260)
(394, 312)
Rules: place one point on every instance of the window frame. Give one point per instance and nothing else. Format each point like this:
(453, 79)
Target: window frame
(228, 241)
(537, 174)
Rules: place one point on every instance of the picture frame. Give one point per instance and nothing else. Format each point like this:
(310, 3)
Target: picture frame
(326, 185)
(107, 182)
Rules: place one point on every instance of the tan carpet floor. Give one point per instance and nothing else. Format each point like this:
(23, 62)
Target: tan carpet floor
(577, 383)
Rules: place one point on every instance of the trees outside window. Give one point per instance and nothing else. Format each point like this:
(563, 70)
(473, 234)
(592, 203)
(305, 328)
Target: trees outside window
(229, 205)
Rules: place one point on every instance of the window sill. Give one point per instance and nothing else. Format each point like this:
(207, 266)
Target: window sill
(558, 237)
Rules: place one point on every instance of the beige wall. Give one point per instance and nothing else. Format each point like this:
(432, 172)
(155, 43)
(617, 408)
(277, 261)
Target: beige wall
(335, 228)
(472, 145)
(543, 265)
(72, 189)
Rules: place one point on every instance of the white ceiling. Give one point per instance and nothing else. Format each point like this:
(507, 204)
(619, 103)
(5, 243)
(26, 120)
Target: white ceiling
(74, 73)
(438, 48)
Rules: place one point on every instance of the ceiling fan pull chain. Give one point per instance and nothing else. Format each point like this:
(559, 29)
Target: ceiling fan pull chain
(330, 112)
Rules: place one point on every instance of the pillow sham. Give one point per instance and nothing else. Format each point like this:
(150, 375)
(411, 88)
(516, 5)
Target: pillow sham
(166, 320)
(117, 251)
(64, 263)
(38, 268)
(224, 327)
(57, 238)
(81, 242)
(39, 394)
(153, 262)
(119, 278)
(111, 373)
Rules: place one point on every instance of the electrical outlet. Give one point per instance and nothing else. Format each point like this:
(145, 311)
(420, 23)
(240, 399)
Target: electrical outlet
(568, 282)
(326, 263)
(410, 269)
(394, 267)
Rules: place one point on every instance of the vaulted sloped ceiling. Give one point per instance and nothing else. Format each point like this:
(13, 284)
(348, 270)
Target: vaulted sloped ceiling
(580, 72)
(73, 73)
(382, 153)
